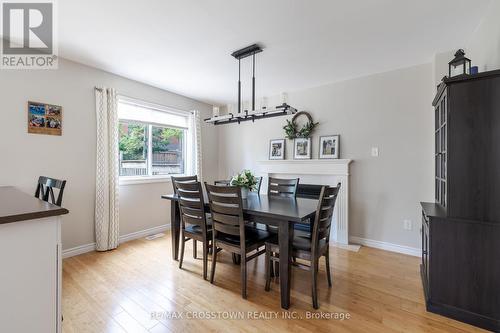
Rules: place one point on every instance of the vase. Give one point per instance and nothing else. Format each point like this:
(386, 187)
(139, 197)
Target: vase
(244, 192)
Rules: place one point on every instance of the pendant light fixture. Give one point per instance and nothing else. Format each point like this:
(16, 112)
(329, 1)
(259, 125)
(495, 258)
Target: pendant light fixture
(245, 114)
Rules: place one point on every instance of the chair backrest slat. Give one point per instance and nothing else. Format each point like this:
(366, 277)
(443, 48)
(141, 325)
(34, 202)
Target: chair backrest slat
(187, 193)
(324, 213)
(226, 218)
(224, 198)
(189, 203)
(229, 209)
(192, 212)
(184, 179)
(223, 182)
(227, 229)
(226, 206)
(282, 187)
(190, 219)
(45, 189)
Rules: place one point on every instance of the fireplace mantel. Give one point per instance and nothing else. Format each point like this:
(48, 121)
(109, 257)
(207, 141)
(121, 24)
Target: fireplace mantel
(314, 167)
(328, 172)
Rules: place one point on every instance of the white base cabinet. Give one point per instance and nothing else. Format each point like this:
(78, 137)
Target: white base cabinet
(30, 276)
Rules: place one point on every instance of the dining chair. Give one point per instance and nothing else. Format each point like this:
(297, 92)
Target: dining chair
(257, 186)
(194, 224)
(187, 180)
(307, 191)
(229, 231)
(45, 189)
(282, 187)
(310, 247)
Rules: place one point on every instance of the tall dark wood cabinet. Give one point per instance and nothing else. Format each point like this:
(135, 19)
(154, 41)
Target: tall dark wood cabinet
(461, 229)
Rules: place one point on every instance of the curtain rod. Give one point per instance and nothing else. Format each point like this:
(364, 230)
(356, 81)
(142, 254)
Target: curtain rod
(147, 102)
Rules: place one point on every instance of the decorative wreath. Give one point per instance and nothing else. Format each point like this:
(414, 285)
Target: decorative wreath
(291, 131)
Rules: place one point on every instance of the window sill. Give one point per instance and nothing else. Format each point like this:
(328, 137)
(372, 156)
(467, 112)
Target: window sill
(145, 180)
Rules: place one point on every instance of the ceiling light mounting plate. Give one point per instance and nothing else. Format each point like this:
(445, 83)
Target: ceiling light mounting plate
(247, 51)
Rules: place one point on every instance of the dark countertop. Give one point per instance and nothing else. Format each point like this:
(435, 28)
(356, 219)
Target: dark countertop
(16, 206)
(433, 209)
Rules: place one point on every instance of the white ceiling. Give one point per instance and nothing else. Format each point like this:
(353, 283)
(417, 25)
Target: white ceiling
(184, 45)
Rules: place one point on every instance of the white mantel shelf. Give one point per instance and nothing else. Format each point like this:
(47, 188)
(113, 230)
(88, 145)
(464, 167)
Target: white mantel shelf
(314, 167)
(309, 161)
(330, 172)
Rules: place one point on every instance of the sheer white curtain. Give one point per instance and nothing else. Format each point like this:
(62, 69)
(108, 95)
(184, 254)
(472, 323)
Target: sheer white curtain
(106, 192)
(196, 158)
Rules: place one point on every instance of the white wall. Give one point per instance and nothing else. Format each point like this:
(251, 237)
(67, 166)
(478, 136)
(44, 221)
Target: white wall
(484, 46)
(72, 155)
(391, 111)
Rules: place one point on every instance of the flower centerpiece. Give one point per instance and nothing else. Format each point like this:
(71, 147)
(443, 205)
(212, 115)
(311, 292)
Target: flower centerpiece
(246, 180)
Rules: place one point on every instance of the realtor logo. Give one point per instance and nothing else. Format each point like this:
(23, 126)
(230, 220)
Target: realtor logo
(28, 35)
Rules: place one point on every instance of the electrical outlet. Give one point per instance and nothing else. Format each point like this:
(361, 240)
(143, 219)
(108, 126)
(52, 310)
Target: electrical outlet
(375, 151)
(407, 225)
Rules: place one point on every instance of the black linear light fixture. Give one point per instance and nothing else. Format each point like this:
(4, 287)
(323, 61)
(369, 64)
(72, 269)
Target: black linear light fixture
(245, 115)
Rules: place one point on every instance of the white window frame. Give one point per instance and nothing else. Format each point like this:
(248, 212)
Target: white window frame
(131, 180)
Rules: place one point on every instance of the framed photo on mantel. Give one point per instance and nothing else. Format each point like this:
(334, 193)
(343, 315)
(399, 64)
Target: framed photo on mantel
(302, 148)
(277, 149)
(329, 146)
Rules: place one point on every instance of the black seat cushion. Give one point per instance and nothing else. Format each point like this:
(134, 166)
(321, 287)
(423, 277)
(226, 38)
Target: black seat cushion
(252, 236)
(196, 229)
(304, 243)
(301, 241)
(302, 227)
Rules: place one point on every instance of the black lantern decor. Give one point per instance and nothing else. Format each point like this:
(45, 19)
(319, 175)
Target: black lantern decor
(460, 65)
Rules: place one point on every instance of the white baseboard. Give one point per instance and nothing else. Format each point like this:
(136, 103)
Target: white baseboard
(144, 233)
(412, 251)
(74, 251)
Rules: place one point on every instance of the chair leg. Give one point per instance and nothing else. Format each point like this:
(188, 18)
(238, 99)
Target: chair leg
(314, 273)
(277, 269)
(181, 257)
(236, 258)
(268, 269)
(194, 248)
(328, 273)
(205, 259)
(214, 261)
(243, 266)
(271, 266)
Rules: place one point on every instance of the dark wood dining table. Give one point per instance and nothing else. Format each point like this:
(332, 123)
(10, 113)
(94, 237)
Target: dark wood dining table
(271, 210)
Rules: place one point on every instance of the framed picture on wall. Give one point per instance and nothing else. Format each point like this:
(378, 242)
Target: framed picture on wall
(277, 149)
(329, 146)
(302, 148)
(44, 118)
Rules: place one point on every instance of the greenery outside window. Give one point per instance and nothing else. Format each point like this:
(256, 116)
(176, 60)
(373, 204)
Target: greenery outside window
(152, 142)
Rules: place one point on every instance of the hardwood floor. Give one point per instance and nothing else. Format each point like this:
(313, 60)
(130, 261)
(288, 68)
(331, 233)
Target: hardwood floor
(135, 287)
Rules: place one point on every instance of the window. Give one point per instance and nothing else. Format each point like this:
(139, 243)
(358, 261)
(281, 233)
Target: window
(152, 140)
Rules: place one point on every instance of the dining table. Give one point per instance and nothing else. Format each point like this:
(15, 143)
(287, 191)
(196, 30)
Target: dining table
(280, 212)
